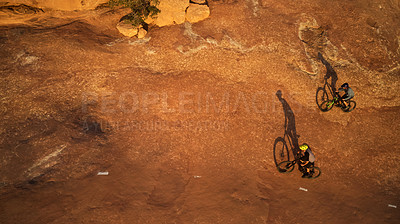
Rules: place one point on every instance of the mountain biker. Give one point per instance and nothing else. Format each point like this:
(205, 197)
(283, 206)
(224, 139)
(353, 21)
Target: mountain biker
(306, 160)
(345, 93)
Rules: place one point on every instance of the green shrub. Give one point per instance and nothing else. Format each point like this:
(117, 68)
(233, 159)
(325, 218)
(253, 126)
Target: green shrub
(141, 10)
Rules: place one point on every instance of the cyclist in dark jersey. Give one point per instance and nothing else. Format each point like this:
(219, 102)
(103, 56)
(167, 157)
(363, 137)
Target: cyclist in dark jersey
(345, 93)
(307, 160)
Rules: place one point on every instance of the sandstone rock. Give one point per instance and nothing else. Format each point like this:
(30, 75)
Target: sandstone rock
(150, 20)
(199, 1)
(127, 29)
(172, 11)
(65, 5)
(141, 33)
(196, 13)
(19, 9)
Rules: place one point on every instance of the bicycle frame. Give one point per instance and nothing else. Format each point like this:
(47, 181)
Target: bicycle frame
(289, 140)
(330, 104)
(336, 99)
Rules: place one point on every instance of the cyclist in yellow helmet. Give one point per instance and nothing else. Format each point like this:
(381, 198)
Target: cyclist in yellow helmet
(306, 159)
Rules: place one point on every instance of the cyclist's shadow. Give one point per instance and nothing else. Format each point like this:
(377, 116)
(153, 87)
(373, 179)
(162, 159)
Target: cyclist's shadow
(330, 72)
(281, 150)
(328, 90)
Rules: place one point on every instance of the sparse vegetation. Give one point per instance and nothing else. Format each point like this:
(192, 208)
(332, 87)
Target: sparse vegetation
(141, 10)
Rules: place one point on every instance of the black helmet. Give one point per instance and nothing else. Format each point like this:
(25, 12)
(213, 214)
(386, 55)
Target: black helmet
(345, 85)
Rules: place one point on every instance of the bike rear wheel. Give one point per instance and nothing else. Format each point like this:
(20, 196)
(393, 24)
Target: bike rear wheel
(320, 97)
(281, 151)
(327, 105)
(316, 172)
(352, 105)
(285, 167)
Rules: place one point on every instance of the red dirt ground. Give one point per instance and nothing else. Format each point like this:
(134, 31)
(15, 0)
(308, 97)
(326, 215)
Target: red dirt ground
(185, 120)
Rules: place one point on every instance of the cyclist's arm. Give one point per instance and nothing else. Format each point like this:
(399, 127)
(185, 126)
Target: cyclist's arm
(339, 90)
(303, 163)
(298, 156)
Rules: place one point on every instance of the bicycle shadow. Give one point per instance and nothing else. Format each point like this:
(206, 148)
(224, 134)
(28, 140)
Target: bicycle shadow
(281, 149)
(330, 72)
(327, 92)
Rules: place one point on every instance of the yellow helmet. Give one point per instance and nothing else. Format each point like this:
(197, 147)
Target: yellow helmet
(303, 147)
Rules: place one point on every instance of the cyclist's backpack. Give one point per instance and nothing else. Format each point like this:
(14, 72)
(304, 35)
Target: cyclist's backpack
(311, 157)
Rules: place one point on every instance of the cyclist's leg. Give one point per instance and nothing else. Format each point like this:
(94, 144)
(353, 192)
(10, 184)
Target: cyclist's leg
(301, 168)
(311, 168)
(307, 170)
(346, 98)
(308, 167)
(343, 99)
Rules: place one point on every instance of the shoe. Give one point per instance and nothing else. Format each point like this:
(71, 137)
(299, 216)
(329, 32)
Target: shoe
(305, 175)
(346, 108)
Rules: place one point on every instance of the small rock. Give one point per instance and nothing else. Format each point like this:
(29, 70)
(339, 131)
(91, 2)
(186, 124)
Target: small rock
(199, 1)
(196, 13)
(27, 60)
(172, 12)
(150, 20)
(303, 189)
(127, 29)
(102, 173)
(142, 33)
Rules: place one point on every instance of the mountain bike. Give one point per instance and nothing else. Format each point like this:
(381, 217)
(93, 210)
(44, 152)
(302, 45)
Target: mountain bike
(337, 101)
(325, 101)
(288, 166)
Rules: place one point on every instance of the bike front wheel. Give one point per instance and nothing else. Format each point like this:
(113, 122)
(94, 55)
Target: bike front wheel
(315, 173)
(352, 105)
(286, 167)
(281, 151)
